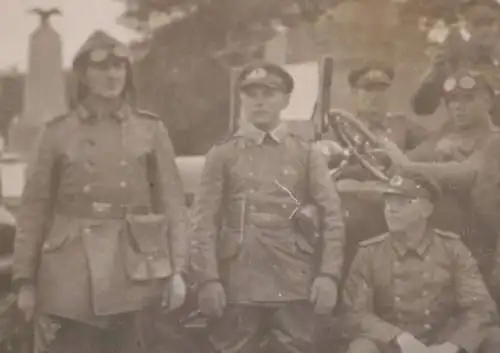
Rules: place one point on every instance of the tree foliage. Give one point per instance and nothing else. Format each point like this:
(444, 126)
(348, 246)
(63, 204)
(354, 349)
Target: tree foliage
(185, 77)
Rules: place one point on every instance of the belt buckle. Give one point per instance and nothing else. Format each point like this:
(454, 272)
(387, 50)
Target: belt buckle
(101, 207)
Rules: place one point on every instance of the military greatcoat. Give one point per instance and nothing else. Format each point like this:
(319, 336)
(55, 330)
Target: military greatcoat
(244, 235)
(102, 220)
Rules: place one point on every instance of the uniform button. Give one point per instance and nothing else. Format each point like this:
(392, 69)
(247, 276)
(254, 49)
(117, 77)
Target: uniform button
(396, 263)
(87, 231)
(123, 163)
(250, 173)
(252, 208)
(425, 293)
(87, 188)
(427, 312)
(427, 326)
(426, 275)
(284, 207)
(46, 246)
(123, 184)
(398, 299)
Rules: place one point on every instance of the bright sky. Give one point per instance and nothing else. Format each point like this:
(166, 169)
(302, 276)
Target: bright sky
(80, 18)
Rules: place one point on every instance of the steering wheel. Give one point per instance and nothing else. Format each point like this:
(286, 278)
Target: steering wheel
(359, 142)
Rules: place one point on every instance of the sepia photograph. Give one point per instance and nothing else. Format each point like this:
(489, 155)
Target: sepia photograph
(250, 176)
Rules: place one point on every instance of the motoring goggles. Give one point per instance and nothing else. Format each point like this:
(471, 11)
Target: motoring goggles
(466, 83)
(101, 55)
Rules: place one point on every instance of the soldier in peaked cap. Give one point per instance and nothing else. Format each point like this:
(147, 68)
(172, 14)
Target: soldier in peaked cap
(473, 46)
(418, 289)
(102, 218)
(255, 269)
(372, 82)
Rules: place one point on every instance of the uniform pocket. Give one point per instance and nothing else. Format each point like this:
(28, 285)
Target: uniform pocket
(146, 247)
(62, 228)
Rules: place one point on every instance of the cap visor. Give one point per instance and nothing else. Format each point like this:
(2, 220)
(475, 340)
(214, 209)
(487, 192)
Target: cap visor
(248, 84)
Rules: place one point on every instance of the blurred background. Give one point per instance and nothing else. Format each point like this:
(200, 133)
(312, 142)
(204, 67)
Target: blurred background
(184, 50)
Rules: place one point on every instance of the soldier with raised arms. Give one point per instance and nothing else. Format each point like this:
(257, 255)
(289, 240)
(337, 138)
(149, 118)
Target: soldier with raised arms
(474, 46)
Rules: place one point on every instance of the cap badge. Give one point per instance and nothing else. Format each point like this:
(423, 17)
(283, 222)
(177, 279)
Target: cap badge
(256, 74)
(450, 84)
(396, 181)
(376, 75)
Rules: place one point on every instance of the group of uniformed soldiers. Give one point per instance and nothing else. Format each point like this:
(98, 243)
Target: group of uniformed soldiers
(104, 240)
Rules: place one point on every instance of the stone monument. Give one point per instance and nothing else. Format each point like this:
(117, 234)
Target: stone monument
(45, 86)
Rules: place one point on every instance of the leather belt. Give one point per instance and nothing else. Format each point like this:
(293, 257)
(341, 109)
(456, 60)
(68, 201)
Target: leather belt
(100, 210)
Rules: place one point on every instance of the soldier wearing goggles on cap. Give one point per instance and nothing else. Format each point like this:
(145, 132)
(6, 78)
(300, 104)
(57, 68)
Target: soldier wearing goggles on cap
(417, 289)
(93, 250)
(468, 98)
(475, 46)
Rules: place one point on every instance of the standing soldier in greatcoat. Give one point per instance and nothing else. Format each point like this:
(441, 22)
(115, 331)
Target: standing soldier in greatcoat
(101, 225)
(259, 276)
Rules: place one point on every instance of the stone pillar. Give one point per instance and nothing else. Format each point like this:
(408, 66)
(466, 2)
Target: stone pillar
(44, 89)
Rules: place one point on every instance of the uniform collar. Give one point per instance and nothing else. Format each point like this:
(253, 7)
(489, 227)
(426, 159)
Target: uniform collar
(85, 113)
(257, 135)
(402, 248)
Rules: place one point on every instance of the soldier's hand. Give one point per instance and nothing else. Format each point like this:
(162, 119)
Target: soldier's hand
(331, 151)
(393, 152)
(323, 295)
(212, 299)
(26, 301)
(409, 344)
(175, 292)
(446, 347)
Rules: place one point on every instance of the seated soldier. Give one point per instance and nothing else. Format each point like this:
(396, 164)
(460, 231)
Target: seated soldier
(417, 289)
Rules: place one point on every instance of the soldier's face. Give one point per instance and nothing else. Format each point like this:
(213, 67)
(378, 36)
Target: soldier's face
(107, 79)
(372, 103)
(401, 213)
(469, 109)
(262, 105)
(483, 25)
